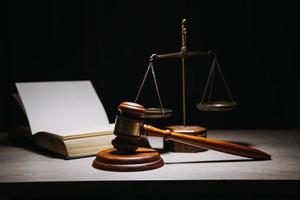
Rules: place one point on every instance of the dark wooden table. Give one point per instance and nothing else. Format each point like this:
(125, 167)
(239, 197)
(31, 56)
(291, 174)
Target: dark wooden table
(27, 171)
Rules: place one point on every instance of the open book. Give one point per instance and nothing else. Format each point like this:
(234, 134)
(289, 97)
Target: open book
(66, 117)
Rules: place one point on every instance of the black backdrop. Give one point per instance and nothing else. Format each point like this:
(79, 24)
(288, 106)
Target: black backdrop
(109, 42)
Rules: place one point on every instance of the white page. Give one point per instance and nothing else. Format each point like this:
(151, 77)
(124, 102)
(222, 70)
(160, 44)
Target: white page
(63, 107)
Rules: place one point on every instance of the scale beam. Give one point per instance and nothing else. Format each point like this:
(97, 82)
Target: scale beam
(181, 54)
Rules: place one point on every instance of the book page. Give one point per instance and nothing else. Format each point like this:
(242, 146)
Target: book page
(63, 107)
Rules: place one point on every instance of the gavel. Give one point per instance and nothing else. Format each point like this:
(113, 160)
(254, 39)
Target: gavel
(129, 127)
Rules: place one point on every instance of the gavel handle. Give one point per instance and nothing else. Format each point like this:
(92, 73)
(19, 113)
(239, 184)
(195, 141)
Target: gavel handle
(208, 143)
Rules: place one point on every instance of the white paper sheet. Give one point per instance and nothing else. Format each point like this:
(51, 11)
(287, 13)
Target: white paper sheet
(63, 107)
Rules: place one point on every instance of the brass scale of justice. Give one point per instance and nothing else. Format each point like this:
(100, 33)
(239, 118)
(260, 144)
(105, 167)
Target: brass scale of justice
(128, 155)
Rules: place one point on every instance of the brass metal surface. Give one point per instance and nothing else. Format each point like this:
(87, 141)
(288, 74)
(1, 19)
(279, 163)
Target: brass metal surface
(127, 126)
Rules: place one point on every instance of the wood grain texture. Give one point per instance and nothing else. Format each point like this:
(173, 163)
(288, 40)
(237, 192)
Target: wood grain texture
(140, 160)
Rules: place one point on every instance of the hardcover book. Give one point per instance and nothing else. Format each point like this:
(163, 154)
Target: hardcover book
(66, 117)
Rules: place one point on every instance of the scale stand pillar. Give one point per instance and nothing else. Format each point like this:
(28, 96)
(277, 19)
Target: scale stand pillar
(184, 128)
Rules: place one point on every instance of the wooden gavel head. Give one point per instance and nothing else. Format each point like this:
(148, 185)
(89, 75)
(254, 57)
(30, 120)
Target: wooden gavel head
(128, 127)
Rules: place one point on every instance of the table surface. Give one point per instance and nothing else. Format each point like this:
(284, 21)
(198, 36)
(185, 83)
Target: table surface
(25, 164)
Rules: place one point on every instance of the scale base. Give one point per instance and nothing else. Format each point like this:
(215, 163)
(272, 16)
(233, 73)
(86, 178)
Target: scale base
(190, 130)
(140, 160)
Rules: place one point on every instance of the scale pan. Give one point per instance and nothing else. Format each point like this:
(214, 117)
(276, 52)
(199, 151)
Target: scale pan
(216, 105)
(157, 113)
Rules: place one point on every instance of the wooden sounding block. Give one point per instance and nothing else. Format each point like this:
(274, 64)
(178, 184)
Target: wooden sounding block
(139, 160)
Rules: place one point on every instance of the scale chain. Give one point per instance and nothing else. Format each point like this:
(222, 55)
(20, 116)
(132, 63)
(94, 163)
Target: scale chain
(225, 83)
(150, 66)
(142, 84)
(208, 79)
(157, 90)
(211, 84)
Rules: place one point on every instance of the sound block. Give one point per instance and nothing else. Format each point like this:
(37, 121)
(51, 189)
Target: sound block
(190, 130)
(140, 160)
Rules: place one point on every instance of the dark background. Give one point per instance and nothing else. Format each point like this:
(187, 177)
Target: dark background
(109, 42)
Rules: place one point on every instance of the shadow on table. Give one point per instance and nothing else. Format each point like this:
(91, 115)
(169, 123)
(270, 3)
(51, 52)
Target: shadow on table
(162, 151)
(212, 161)
(28, 144)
